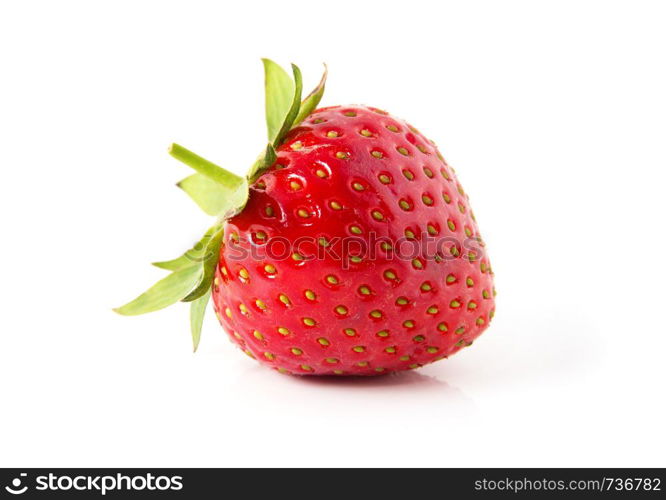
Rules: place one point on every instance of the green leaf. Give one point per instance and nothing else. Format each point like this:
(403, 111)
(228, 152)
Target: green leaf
(226, 179)
(310, 103)
(164, 293)
(213, 198)
(194, 256)
(206, 193)
(279, 91)
(212, 256)
(295, 106)
(197, 313)
(265, 160)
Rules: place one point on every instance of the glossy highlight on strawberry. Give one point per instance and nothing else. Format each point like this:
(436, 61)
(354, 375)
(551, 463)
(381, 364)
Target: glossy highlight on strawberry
(350, 249)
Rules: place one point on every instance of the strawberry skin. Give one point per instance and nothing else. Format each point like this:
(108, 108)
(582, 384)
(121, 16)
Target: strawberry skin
(357, 253)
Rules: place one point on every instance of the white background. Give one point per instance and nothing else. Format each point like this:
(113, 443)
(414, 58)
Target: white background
(553, 114)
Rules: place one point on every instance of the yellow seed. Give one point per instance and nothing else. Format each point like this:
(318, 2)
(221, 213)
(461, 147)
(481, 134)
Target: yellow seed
(295, 186)
(342, 155)
(384, 179)
(318, 120)
(284, 299)
(244, 274)
(426, 199)
(377, 154)
(362, 363)
(350, 113)
(296, 351)
(419, 338)
(408, 175)
(297, 256)
(383, 333)
(402, 301)
(269, 211)
(480, 321)
(358, 186)
(376, 313)
(432, 310)
(469, 281)
(260, 304)
(321, 173)
(303, 213)
(404, 358)
(454, 251)
(366, 133)
(426, 287)
(283, 331)
(379, 369)
(243, 309)
(227, 311)
(323, 341)
(432, 350)
(296, 145)
(468, 232)
(332, 279)
(471, 305)
(341, 310)
(331, 133)
(258, 335)
(310, 295)
(417, 264)
(309, 322)
(450, 278)
(451, 224)
(338, 372)
(428, 172)
(455, 304)
(403, 151)
(404, 204)
(389, 275)
(269, 356)
(356, 259)
(485, 294)
(335, 205)
(443, 327)
(423, 150)
(332, 360)
(358, 348)
(355, 230)
(446, 197)
(386, 246)
(270, 268)
(323, 242)
(460, 330)
(392, 128)
(377, 215)
(390, 350)
(306, 368)
(350, 332)
(246, 351)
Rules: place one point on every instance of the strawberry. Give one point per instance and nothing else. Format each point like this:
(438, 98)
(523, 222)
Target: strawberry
(349, 249)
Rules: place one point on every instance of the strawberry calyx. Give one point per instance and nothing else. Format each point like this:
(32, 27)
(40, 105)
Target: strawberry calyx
(222, 194)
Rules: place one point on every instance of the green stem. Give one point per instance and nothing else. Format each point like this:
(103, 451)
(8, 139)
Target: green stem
(204, 167)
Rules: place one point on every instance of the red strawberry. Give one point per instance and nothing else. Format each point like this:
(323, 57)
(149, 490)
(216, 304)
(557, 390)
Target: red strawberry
(356, 251)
